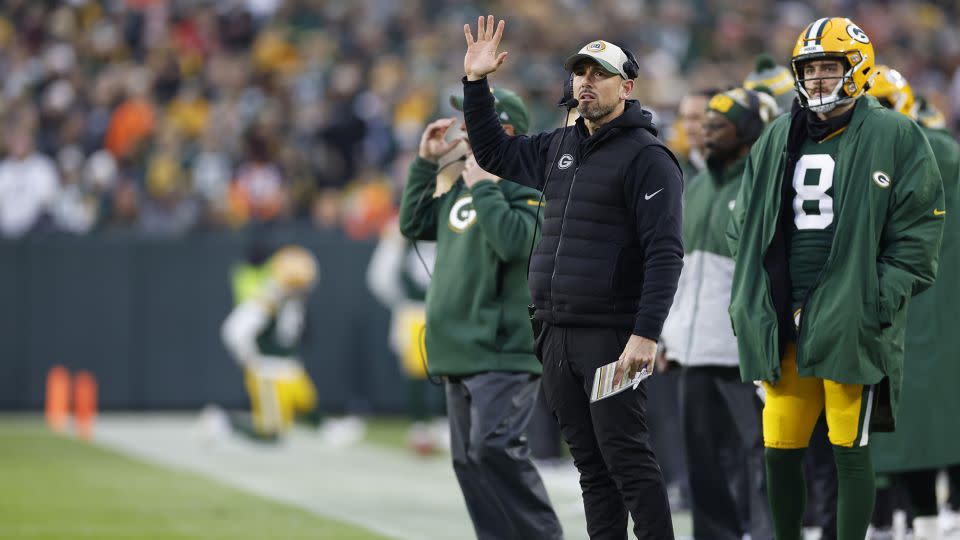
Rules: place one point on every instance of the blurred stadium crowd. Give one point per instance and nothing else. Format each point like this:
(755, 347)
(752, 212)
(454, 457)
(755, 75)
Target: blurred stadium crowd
(168, 116)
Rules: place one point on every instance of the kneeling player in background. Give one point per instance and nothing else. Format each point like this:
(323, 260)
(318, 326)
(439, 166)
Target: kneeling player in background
(263, 334)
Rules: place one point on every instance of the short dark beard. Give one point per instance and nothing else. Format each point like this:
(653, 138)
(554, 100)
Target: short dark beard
(594, 111)
(717, 163)
(719, 158)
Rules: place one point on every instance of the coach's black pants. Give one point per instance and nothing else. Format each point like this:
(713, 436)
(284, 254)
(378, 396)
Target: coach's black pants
(723, 429)
(505, 497)
(608, 439)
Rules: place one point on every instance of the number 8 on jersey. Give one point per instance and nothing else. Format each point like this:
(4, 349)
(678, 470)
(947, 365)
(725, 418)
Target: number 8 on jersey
(812, 206)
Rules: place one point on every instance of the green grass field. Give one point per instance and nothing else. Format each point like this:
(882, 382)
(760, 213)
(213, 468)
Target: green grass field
(59, 488)
(158, 476)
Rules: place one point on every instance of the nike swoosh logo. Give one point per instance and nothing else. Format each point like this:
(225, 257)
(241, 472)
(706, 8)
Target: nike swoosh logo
(649, 196)
(939, 212)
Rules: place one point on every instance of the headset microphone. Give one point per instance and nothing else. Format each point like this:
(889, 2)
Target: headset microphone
(568, 102)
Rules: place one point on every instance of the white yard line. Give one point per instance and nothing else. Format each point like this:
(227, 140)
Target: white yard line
(390, 492)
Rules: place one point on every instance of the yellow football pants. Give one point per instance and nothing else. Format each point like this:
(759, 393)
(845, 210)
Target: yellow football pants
(794, 404)
(278, 390)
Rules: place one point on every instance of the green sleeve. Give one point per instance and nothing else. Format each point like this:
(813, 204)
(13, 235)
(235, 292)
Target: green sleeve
(910, 243)
(740, 206)
(419, 208)
(761, 161)
(506, 214)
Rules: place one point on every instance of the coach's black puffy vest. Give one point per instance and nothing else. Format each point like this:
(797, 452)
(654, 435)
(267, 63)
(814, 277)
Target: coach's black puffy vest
(587, 269)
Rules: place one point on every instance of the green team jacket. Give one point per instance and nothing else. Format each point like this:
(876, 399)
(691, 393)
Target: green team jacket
(930, 401)
(696, 332)
(889, 218)
(477, 302)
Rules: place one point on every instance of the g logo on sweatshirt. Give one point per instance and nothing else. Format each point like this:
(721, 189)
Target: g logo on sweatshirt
(882, 179)
(462, 214)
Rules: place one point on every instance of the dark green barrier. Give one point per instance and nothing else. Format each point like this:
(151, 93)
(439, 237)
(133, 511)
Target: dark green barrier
(143, 315)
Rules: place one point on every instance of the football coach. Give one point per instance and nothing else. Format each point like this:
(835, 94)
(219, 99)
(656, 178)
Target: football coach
(605, 271)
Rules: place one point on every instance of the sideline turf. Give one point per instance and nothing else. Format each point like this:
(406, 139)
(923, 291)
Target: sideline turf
(55, 488)
(389, 432)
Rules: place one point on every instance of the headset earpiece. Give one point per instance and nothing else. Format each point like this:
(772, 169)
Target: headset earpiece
(568, 101)
(631, 67)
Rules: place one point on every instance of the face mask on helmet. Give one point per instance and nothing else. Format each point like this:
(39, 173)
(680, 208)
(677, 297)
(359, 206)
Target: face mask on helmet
(837, 39)
(841, 87)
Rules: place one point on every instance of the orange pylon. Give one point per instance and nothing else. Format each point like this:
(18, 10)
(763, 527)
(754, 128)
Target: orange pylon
(57, 407)
(84, 403)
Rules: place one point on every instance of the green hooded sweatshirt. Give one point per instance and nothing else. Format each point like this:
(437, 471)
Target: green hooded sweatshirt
(477, 302)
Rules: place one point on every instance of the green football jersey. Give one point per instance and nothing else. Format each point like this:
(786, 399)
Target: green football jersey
(813, 207)
(281, 335)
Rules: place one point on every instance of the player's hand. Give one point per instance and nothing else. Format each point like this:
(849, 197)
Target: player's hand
(482, 57)
(639, 353)
(433, 145)
(472, 173)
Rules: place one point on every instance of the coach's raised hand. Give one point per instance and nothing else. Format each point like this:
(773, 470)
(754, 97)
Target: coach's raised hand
(482, 57)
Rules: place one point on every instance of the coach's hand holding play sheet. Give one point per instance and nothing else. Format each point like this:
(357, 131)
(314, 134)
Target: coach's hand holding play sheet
(605, 384)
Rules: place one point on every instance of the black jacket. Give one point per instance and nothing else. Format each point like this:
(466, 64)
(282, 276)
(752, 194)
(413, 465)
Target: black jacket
(611, 250)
